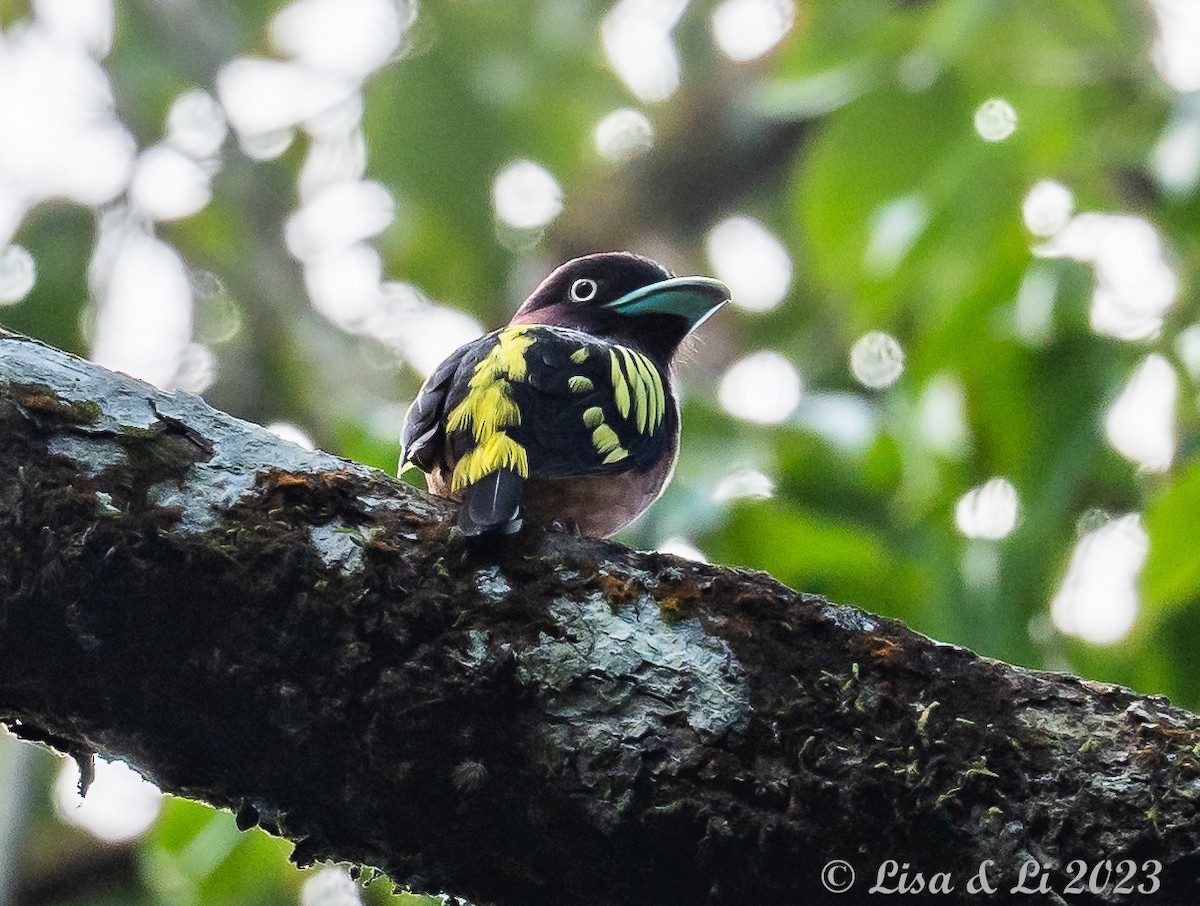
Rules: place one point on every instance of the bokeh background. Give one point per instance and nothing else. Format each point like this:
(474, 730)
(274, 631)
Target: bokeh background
(958, 384)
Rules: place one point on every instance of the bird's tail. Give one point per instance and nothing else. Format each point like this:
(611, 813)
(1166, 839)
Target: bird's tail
(492, 505)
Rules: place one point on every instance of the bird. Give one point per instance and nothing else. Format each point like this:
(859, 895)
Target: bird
(566, 418)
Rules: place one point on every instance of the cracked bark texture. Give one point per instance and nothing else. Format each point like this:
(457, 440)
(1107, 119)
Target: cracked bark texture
(556, 720)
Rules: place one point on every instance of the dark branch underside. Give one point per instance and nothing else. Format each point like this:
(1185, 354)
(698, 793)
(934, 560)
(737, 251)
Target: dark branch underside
(562, 721)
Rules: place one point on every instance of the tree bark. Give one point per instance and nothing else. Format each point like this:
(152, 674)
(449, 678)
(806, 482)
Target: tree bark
(550, 720)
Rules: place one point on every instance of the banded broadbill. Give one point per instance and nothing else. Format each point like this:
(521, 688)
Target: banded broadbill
(566, 416)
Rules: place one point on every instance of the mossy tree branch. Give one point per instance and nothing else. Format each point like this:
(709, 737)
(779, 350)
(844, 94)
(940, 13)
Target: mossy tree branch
(561, 720)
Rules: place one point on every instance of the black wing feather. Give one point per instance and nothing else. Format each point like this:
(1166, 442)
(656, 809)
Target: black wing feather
(492, 505)
(552, 429)
(424, 436)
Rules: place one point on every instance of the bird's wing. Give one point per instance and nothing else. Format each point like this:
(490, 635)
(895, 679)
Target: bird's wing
(477, 415)
(592, 407)
(423, 437)
(536, 402)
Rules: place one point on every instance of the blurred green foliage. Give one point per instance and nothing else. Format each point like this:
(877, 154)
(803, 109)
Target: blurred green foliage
(813, 140)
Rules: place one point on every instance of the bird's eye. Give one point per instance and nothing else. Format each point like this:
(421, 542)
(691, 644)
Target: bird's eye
(583, 290)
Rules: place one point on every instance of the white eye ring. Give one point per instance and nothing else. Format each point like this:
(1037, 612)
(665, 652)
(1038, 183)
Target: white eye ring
(584, 290)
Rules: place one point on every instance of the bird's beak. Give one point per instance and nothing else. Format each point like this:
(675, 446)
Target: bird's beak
(692, 298)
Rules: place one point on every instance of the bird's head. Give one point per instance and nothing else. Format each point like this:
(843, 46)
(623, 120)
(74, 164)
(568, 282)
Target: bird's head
(625, 298)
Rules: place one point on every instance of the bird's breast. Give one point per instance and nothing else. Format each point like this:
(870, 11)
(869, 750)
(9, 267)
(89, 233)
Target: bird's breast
(597, 505)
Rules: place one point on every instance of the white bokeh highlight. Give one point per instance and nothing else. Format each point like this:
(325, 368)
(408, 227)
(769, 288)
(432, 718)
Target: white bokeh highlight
(349, 37)
(331, 46)
(1134, 284)
(917, 71)
(846, 420)
(894, 229)
(329, 49)
(1187, 347)
(747, 29)
(337, 216)
(18, 274)
(330, 886)
(995, 120)
(526, 196)
(751, 261)
(1174, 53)
(196, 369)
(61, 137)
(1140, 424)
(168, 184)
(264, 97)
(1098, 599)
(143, 324)
(266, 145)
(988, 511)
(196, 124)
(120, 805)
(333, 159)
(979, 563)
(1047, 207)
(292, 434)
(942, 415)
(681, 547)
(764, 387)
(1033, 309)
(421, 331)
(87, 24)
(346, 284)
(623, 135)
(743, 484)
(877, 360)
(1175, 158)
(637, 40)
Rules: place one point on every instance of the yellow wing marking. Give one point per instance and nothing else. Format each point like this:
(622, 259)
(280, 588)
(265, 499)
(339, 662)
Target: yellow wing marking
(638, 388)
(499, 451)
(605, 439)
(593, 417)
(641, 404)
(654, 389)
(579, 384)
(660, 395)
(579, 356)
(620, 386)
(488, 408)
(607, 444)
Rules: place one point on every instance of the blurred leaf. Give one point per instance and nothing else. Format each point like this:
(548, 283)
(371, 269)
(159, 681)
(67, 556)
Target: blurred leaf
(196, 853)
(1172, 573)
(811, 552)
